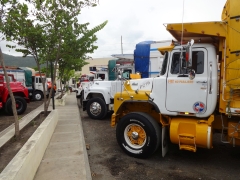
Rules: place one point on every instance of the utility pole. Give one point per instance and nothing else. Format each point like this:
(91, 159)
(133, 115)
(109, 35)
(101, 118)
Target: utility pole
(121, 45)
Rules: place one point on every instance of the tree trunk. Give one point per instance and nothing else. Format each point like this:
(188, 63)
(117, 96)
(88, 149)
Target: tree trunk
(61, 86)
(44, 89)
(17, 133)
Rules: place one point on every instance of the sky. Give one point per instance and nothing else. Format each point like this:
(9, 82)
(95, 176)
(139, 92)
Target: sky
(135, 21)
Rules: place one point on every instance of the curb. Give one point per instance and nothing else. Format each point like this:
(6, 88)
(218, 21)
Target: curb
(86, 162)
(87, 165)
(25, 164)
(61, 102)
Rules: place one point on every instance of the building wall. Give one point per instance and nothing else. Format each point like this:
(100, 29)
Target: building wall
(98, 62)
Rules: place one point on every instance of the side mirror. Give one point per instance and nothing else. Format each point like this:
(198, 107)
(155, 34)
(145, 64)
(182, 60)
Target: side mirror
(119, 74)
(191, 74)
(192, 42)
(189, 52)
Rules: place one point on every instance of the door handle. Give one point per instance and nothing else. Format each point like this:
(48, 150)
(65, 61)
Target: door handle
(210, 85)
(201, 81)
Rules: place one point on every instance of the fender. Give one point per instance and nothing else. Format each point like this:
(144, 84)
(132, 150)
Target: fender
(101, 91)
(135, 101)
(98, 88)
(78, 92)
(5, 95)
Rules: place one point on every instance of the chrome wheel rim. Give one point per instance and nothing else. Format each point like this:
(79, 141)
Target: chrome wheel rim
(95, 108)
(38, 96)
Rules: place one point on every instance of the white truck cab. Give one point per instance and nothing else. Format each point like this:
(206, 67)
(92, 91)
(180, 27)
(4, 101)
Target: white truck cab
(98, 97)
(104, 75)
(174, 93)
(188, 102)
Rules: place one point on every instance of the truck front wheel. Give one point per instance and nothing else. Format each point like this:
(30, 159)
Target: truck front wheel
(21, 105)
(81, 98)
(96, 108)
(37, 96)
(138, 134)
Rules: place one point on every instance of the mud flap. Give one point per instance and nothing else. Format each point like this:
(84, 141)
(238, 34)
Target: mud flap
(164, 140)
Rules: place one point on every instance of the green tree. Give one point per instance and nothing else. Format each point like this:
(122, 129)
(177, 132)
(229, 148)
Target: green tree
(49, 31)
(66, 68)
(16, 122)
(3, 11)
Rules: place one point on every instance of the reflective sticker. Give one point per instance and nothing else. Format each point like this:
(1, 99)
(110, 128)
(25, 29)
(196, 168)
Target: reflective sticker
(199, 107)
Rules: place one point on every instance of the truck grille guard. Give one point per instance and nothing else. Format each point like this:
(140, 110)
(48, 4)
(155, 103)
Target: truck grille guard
(125, 88)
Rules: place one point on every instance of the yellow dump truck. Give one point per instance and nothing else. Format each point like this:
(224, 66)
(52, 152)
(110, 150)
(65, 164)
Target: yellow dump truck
(196, 95)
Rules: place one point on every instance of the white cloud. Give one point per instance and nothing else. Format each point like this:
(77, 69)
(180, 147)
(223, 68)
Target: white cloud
(141, 20)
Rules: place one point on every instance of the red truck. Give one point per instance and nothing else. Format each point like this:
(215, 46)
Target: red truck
(19, 91)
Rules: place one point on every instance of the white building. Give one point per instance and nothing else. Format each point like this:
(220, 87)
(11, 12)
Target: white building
(95, 62)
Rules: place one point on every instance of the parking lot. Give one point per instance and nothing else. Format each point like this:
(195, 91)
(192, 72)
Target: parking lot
(108, 161)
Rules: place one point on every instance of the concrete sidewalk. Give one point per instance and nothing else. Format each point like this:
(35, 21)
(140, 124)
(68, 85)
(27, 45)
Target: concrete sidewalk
(66, 156)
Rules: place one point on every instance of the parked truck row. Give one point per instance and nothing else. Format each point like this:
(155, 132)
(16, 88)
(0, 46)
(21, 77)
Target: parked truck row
(98, 97)
(108, 73)
(104, 73)
(30, 79)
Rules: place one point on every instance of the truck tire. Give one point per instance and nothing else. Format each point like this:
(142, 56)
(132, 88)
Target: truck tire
(81, 100)
(138, 134)
(96, 108)
(20, 103)
(37, 95)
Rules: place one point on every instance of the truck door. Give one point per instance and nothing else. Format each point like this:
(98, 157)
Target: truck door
(38, 84)
(1, 81)
(185, 95)
(1, 89)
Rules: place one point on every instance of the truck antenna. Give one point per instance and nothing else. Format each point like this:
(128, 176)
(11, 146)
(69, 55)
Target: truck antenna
(182, 24)
(121, 45)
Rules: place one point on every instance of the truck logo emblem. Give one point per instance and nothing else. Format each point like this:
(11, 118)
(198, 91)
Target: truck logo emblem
(199, 107)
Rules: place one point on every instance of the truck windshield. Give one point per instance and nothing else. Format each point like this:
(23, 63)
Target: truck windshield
(40, 80)
(164, 64)
(91, 78)
(101, 76)
(9, 77)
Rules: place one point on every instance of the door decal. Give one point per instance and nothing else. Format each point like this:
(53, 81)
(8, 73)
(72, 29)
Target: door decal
(199, 107)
